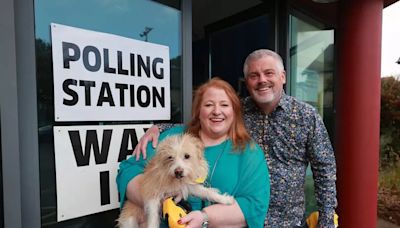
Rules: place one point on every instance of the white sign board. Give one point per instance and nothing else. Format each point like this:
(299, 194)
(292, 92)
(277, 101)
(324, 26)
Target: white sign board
(87, 159)
(104, 77)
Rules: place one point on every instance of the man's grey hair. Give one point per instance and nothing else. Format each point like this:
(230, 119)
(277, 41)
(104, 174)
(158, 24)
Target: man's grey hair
(260, 53)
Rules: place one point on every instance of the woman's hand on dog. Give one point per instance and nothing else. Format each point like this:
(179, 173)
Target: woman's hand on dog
(192, 220)
(152, 134)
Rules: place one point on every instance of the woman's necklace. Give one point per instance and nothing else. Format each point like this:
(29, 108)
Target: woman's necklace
(225, 141)
(216, 163)
(208, 183)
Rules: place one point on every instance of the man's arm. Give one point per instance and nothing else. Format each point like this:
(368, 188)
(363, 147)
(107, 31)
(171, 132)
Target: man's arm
(323, 165)
(151, 135)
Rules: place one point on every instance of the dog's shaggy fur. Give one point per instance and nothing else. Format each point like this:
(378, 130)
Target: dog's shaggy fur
(178, 162)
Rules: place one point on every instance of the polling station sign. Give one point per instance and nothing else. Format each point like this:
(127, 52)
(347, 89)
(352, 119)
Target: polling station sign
(87, 159)
(105, 77)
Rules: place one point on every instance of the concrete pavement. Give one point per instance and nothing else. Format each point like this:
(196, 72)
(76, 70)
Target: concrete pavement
(385, 224)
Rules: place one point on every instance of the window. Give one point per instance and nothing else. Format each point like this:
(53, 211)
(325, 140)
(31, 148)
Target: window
(311, 66)
(144, 20)
(311, 76)
(230, 46)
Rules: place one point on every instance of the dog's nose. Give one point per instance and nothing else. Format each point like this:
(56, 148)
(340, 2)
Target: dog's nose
(179, 173)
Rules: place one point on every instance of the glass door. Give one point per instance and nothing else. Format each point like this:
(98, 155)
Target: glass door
(230, 46)
(156, 22)
(223, 39)
(311, 76)
(312, 66)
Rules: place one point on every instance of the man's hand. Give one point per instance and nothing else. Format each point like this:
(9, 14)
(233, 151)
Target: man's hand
(152, 134)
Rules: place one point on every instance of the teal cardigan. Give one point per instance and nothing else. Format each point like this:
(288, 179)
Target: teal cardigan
(244, 175)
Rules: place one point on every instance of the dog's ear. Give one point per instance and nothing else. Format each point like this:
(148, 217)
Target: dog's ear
(194, 141)
(199, 147)
(199, 144)
(203, 164)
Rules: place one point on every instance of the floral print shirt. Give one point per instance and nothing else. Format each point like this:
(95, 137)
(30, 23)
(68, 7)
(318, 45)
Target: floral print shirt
(293, 136)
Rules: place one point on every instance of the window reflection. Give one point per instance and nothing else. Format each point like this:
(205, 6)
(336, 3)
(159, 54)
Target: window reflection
(311, 66)
(152, 21)
(139, 19)
(125, 18)
(311, 78)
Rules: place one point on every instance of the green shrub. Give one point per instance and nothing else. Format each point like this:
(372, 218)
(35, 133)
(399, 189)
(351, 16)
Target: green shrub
(390, 178)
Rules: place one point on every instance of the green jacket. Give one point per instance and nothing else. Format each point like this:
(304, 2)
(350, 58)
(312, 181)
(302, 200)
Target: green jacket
(244, 175)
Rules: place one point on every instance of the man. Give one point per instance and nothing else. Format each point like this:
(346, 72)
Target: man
(292, 136)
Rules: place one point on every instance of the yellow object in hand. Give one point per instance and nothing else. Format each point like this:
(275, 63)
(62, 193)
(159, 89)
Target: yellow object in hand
(312, 220)
(173, 213)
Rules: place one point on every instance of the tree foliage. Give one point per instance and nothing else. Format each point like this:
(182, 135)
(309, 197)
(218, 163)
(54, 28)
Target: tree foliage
(390, 122)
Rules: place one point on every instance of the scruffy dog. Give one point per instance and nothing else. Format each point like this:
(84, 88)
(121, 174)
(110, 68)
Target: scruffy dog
(173, 171)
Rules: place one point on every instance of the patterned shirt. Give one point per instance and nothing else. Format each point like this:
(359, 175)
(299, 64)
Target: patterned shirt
(292, 136)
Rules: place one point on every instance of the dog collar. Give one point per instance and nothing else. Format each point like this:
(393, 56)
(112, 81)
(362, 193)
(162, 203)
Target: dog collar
(200, 180)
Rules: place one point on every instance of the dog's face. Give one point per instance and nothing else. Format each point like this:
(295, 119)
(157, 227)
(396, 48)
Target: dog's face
(181, 158)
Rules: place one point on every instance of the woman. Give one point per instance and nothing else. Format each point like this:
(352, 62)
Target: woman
(237, 165)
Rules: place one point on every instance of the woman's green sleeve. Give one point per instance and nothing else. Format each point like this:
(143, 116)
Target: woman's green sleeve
(253, 194)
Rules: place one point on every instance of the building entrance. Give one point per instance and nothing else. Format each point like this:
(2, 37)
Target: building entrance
(222, 41)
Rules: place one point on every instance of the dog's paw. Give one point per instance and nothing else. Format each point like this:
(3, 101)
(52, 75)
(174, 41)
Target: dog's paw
(227, 199)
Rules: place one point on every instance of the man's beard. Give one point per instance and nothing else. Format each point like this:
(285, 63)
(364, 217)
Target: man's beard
(264, 99)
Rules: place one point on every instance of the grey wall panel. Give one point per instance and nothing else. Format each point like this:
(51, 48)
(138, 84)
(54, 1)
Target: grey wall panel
(9, 117)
